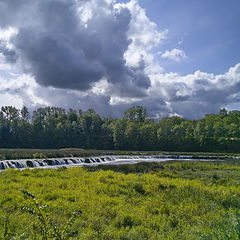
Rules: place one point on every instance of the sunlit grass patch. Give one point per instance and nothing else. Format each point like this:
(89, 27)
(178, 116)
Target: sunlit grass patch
(143, 201)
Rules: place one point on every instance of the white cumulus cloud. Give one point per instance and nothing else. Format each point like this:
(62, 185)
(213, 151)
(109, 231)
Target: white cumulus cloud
(175, 54)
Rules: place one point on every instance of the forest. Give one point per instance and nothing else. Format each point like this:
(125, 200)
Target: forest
(54, 127)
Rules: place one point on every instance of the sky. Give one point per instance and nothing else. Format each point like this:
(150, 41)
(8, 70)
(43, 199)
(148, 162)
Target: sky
(175, 58)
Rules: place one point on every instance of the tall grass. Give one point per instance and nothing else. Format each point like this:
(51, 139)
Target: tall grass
(143, 201)
(6, 154)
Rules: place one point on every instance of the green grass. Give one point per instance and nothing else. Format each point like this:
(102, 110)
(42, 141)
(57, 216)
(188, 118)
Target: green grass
(180, 200)
(77, 152)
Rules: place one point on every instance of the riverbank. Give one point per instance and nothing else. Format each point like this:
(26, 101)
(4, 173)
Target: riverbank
(10, 154)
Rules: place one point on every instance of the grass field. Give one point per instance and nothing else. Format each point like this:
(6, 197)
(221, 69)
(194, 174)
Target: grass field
(6, 154)
(168, 201)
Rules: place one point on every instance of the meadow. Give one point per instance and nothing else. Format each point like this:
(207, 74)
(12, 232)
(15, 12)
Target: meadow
(168, 201)
(21, 153)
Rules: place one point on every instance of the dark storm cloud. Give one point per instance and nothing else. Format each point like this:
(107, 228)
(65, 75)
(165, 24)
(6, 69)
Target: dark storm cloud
(12, 11)
(59, 97)
(59, 49)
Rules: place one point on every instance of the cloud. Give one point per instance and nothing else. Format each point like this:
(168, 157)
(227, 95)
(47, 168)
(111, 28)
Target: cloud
(99, 54)
(190, 96)
(74, 44)
(175, 54)
(196, 94)
(6, 48)
(144, 36)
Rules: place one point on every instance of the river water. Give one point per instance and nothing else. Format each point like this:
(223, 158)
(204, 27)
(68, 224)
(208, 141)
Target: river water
(97, 160)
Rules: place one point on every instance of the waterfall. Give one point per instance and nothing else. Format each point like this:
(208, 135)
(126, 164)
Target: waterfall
(113, 159)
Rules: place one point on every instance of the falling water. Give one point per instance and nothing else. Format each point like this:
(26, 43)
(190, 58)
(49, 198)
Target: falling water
(114, 159)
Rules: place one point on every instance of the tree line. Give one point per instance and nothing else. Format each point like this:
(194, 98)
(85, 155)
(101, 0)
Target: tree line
(54, 127)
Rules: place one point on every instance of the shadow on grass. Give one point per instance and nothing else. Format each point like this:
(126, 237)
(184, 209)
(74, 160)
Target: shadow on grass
(140, 168)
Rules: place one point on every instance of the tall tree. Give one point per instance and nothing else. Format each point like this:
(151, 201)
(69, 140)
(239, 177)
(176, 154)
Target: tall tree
(138, 114)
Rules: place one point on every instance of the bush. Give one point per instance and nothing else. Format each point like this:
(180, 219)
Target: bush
(39, 156)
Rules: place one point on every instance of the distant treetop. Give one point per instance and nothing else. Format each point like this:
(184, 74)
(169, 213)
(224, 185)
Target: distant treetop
(137, 113)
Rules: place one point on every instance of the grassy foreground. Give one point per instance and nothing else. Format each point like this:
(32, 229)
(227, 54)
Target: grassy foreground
(186, 200)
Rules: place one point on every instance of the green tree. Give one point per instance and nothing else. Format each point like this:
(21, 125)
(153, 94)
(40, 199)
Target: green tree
(222, 113)
(137, 113)
(119, 129)
(91, 124)
(132, 136)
